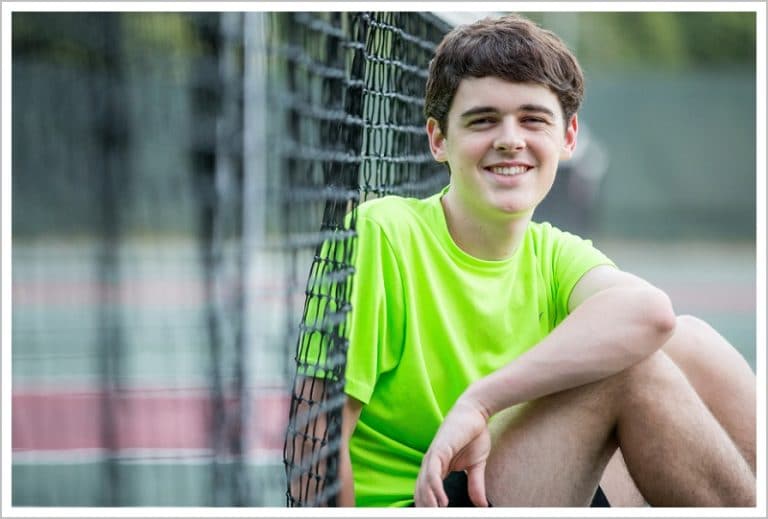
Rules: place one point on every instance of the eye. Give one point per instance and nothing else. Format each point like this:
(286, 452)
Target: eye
(481, 122)
(530, 119)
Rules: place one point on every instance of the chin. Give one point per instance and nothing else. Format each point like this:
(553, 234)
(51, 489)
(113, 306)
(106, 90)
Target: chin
(515, 211)
(513, 207)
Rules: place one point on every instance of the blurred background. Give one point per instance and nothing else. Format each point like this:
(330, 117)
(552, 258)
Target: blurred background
(163, 231)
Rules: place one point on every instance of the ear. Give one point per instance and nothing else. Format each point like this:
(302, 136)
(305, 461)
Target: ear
(436, 140)
(569, 144)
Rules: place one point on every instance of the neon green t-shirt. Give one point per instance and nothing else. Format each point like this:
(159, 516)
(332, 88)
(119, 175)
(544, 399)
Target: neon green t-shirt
(428, 319)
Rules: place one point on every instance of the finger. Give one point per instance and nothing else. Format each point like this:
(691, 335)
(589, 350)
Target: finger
(476, 485)
(425, 497)
(442, 497)
(437, 490)
(435, 481)
(424, 494)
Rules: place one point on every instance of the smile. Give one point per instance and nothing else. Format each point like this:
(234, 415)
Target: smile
(508, 171)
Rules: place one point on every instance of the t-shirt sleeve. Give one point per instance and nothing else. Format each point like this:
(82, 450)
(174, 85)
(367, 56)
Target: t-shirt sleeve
(377, 313)
(572, 257)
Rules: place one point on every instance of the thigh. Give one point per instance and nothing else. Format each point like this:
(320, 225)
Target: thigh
(720, 376)
(618, 485)
(552, 451)
(456, 485)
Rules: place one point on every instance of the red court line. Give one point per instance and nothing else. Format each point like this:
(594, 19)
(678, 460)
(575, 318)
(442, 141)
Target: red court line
(56, 421)
(154, 292)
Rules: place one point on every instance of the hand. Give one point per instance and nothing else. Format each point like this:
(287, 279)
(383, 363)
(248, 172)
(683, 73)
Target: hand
(462, 443)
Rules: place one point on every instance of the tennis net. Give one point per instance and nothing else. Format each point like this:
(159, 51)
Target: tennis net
(354, 86)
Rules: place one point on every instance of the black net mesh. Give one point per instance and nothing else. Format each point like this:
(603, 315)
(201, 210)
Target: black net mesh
(354, 92)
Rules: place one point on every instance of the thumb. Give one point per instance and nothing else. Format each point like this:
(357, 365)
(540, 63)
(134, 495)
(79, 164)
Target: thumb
(476, 484)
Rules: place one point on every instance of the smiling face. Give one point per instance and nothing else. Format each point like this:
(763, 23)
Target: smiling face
(503, 144)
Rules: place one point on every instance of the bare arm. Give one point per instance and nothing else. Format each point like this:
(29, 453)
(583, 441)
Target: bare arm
(307, 457)
(350, 416)
(615, 321)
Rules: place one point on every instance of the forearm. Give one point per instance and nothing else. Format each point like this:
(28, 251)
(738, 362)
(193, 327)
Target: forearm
(346, 496)
(607, 333)
(350, 416)
(308, 458)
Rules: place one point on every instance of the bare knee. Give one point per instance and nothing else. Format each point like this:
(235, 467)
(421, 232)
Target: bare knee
(690, 332)
(700, 350)
(693, 327)
(691, 322)
(695, 333)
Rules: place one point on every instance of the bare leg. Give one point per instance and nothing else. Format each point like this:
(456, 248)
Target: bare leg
(723, 380)
(721, 377)
(618, 485)
(552, 451)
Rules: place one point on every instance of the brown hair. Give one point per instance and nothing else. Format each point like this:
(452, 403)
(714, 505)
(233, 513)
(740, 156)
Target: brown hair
(512, 48)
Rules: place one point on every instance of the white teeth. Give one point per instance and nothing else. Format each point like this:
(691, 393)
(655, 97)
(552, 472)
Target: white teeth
(509, 171)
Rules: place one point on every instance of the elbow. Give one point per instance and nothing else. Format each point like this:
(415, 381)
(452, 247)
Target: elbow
(666, 320)
(658, 316)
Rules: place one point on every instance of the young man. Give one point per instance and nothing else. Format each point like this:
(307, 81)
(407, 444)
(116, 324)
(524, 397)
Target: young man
(508, 355)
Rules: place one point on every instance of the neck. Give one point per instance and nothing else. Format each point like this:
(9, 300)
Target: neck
(484, 238)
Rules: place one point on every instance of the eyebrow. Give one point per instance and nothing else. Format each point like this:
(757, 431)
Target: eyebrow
(538, 109)
(523, 108)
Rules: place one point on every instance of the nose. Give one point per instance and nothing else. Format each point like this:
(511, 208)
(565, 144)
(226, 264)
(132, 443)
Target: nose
(509, 139)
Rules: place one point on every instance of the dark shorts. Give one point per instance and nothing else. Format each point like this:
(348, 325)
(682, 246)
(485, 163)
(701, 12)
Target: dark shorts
(455, 486)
